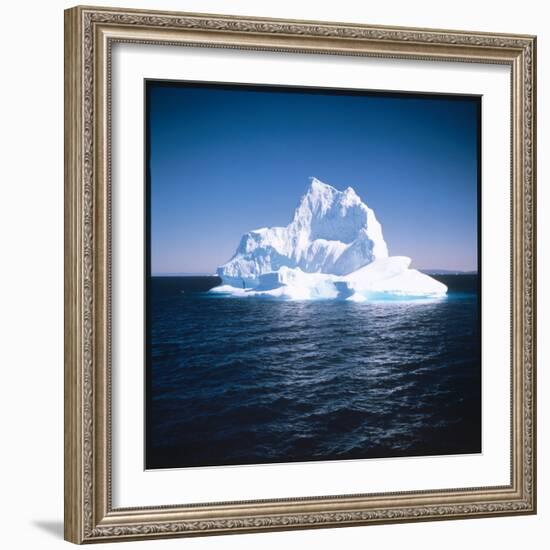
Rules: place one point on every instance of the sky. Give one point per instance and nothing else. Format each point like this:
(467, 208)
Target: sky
(226, 160)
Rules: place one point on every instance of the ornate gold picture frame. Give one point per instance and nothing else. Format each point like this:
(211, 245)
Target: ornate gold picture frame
(90, 34)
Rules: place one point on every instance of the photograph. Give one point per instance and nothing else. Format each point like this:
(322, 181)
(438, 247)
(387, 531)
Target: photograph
(312, 274)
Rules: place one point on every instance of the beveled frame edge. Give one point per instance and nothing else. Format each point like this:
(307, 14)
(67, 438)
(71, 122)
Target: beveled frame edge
(89, 33)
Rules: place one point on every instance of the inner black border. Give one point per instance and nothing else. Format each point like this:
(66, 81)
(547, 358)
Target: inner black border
(148, 83)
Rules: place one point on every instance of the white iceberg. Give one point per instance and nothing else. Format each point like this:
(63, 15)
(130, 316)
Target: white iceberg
(331, 232)
(332, 249)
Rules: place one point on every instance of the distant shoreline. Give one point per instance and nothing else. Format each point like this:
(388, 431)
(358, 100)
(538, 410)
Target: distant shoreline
(447, 272)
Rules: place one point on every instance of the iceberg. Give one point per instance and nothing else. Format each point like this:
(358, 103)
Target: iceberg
(332, 249)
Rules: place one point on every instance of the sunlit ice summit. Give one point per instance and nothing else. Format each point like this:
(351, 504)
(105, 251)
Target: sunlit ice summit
(332, 249)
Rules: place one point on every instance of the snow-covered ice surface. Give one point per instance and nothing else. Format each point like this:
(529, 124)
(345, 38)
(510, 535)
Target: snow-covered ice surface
(332, 249)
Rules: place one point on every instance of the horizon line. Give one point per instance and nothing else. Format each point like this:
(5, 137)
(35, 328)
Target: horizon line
(441, 271)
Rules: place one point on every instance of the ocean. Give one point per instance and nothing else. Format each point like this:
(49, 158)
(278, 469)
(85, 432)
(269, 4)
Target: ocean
(252, 381)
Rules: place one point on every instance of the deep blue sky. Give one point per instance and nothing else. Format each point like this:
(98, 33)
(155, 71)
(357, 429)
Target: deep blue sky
(224, 162)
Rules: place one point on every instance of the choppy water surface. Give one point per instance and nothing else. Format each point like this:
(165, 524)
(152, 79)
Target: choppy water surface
(249, 381)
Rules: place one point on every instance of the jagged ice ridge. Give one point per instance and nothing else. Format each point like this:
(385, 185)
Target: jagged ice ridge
(332, 249)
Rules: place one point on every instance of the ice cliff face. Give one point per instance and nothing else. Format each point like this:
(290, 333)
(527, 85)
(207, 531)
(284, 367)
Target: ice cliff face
(331, 232)
(332, 249)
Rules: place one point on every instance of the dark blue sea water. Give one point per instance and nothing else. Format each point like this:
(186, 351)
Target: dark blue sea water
(250, 381)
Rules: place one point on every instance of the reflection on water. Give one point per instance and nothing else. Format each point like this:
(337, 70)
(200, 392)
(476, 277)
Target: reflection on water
(246, 381)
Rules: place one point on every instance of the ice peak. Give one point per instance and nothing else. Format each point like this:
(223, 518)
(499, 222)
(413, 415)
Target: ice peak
(331, 231)
(320, 191)
(322, 198)
(350, 197)
(316, 184)
(319, 188)
(319, 197)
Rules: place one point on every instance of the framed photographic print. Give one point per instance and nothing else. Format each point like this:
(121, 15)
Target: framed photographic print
(300, 274)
